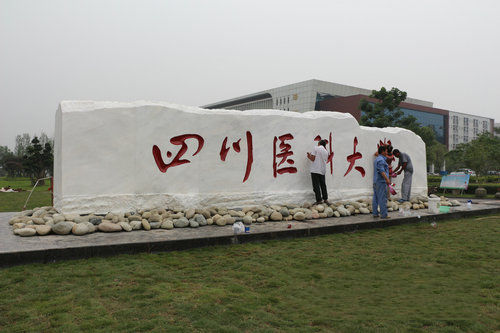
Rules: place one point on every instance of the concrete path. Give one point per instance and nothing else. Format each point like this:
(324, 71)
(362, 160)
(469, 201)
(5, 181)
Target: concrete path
(18, 250)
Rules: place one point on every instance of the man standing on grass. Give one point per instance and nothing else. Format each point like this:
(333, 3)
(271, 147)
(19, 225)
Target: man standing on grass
(380, 183)
(406, 165)
(318, 169)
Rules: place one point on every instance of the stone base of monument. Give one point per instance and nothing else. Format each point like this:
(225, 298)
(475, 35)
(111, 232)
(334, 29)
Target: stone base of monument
(53, 247)
(47, 220)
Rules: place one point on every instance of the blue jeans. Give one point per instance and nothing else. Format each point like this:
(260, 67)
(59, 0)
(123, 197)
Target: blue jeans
(380, 199)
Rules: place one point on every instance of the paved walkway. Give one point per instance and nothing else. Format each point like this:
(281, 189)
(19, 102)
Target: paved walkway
(17, 250)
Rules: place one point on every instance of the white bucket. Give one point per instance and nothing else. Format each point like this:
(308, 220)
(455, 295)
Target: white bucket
(434, 205)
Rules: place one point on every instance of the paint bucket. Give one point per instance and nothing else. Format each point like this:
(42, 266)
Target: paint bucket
(434, 205)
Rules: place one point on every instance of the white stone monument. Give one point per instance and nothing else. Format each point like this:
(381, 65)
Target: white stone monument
(120, 157)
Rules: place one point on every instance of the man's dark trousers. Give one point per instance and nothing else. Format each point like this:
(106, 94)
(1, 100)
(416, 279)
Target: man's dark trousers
(319, 184)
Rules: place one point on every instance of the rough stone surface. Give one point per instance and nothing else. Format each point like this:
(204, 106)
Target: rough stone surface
(80, 229)
(155, 225)
(136, 225)
(43, 230)
(135, 217)
(95, 220)
(167, 224)
(38, 220)
(299, 216)
(25, 232)
(145, 224)
(155, 218)
(181, 222)
(125, 226)
(221, 221)
(276, 216)
(92, 228)
(229, 219)
(363, 210)
(58, 218)
(247, 219)
(200, 219)
(109, 227)
(284, 212)
(190, 213)
(62, 228)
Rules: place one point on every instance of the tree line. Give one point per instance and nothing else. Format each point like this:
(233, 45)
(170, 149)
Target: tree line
(481, 155)
(32, 157)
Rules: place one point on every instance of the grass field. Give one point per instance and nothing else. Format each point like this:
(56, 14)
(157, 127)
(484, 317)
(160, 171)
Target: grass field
(408, 278)
(14, 202)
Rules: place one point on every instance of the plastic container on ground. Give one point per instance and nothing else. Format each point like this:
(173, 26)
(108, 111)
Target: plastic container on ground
(434, 205)
(444, 209)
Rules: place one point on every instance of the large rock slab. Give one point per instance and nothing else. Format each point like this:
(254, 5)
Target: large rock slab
(183, 156)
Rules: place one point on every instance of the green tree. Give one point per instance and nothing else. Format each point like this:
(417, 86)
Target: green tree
(483, 154)
(22, 144)
(5, 153)
(13, 166)
(480, 155)
(385, 112)
(38, 160)
(44, 138)
(435, 153)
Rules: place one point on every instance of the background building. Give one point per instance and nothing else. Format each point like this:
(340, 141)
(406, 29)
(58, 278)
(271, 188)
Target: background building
(299, 97)
(452, 128)
(466, 127)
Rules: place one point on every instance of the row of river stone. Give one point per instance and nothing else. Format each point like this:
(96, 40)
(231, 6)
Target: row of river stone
(45, 220)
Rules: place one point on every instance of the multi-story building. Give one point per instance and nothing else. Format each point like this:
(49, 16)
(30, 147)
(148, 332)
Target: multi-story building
(451, 127)
(466, 127)
(298, 97)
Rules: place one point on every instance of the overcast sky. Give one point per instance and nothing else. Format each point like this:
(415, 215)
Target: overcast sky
(198, 52)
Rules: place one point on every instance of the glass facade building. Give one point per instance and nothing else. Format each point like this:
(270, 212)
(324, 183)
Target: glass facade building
(433, 120)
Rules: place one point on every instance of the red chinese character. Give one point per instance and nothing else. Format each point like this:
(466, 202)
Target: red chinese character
(236, 146)
(284, 154)
(330, 151)
(352, 160)
(384, 143)
(179, 141)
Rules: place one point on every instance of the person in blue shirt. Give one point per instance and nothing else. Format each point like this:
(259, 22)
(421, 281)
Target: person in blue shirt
(380, 183)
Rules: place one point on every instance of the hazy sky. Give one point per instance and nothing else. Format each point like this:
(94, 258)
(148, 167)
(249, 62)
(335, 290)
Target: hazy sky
(198, 52)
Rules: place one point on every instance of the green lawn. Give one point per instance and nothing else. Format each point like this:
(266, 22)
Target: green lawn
(14, 202)
(407, 278)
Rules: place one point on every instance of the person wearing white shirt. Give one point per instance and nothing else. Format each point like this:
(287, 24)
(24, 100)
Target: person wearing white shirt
(319, 158)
